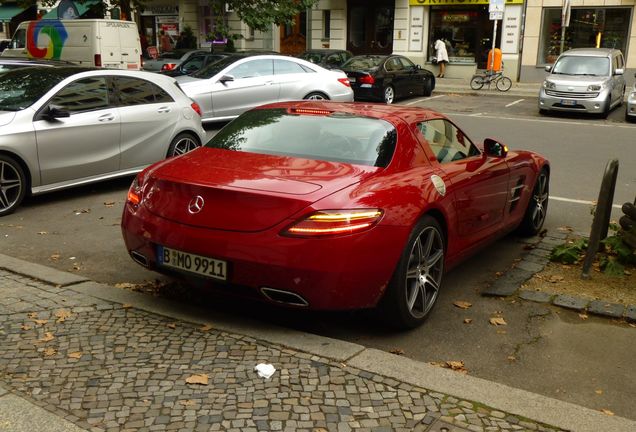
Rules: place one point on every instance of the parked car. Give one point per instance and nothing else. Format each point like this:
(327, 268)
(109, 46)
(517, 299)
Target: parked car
(586, 80)
(66, 126)
(327, 58)
(169, 60)
(239, 82)
(330, 205)
(387, 78)
(630, 110)
(194, 63)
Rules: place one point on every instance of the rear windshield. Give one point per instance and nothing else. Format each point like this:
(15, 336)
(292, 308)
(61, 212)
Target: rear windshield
(338, 137)
(363, 63)
(582, 65)
(312, 56)
(21, 88)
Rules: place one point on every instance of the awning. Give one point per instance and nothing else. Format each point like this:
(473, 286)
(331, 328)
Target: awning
(82, 8)
(8, 12)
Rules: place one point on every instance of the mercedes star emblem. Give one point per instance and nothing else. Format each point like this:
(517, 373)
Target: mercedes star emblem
(196, 204)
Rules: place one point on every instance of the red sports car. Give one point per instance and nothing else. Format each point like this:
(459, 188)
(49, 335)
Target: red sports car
(333, 206)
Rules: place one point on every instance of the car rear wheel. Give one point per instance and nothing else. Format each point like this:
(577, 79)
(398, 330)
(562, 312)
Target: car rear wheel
(183, 143)
(389, 95)
(415, 285)
(316, 96)
(536, 211)
(12, 184)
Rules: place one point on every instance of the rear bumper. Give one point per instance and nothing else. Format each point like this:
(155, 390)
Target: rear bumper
(338, 273)
(592, 105)
(631, 105)
(371, 93)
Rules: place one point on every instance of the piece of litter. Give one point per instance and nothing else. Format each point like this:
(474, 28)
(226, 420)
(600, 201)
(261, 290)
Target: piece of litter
(265, 370)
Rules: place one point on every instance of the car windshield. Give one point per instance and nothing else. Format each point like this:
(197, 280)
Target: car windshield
(582, 65)
(363, 63)
(214, 68)
(172, 55)
(337, 137)
(21, 88)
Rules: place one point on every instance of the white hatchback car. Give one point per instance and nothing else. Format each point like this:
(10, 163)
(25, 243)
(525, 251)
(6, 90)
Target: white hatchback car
(584, 80)
(227, 88)
(66, 126)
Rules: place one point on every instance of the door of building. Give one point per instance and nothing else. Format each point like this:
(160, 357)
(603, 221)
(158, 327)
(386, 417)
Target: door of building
(370, 26)
(293, 37)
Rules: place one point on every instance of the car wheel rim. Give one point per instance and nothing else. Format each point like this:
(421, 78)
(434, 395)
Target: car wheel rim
(10, 185)
(183, 146)
(388, 95)
(424, 272)
(316, 97)
(540, 198)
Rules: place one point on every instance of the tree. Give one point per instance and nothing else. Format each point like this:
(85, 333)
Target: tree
(125, 6)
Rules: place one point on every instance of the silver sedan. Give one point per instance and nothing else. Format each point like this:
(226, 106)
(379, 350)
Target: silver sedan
(66, 126)
(237, 83)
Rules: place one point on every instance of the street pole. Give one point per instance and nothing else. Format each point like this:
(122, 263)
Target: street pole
(562, 39)
(494, 40)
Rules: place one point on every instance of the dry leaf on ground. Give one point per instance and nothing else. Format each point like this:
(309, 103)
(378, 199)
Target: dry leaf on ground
(54, 257)
(197, 379)
(109, 203)
(26, 327)
(187, 402)
(499, 274)
(125, 285)
(48, 352)
(556, 279)
(455, 365)
(126, 306)
(397, 351)
(42, 232)
(205, 328)
(462, 304)
(172, 325)
(48, 336)
(598, 391)
(75, 355)
(512, 358)
(62, 315)
(32, 315)
(497, 321)
(40, 322)
(607, 412)
(468, 320)
(583, 316)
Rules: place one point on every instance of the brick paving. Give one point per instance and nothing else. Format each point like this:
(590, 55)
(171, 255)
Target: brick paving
(109, 367)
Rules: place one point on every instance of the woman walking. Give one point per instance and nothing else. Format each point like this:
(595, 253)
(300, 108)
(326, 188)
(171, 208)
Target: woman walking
(442, 56)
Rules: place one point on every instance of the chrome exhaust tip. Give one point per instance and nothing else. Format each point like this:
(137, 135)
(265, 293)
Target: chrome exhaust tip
(139, 258)
(284, 297)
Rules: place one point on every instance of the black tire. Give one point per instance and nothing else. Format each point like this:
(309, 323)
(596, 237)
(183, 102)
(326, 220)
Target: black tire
(476, 82)
(182, 144)
(427, 90)
(414, 287)
(628, 118)
(537, 208)
(389, 95)
(13, 184)
(504, 84)
(543, 111)
(316, 96)
(629, 209)
(606, 108)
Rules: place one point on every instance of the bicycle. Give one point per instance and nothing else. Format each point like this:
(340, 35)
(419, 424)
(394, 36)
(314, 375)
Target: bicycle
(503, 83)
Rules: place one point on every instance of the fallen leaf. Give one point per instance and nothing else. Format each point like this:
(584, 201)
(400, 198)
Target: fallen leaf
(607, 412)
(172, 325)
(42, 232)
(126, 306)
(40, 322)
(80, 211)
(499, 274)
(125, 285)
(48, 352)
(512, 358)
(497, 321)
(109, 203)
(26, 327)
(468, 320)
(32, 315)
(76, 267)
(205, 328)
(62, 315)
(462, 304)
(397, 351)
(583, 316)
(197, 379)
(627, 272)
(455, 365)
(598, 391)
(54, 257)
(75, 355)
(555, 279)
(319, 429)
(48, 336)
(187, 402)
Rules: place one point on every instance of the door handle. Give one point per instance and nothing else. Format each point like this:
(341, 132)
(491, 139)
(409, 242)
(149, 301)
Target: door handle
(163, 110)
(106, 117)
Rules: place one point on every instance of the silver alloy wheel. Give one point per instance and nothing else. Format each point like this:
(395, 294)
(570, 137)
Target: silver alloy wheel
(10, 185)
(184, 145)
(316, 96)
(540, 198)
(424, 272)
(389, 95)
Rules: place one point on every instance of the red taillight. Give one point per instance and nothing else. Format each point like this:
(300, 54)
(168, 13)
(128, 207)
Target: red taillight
(98, 60)
(366, 79)
(168, 66)
(335, 222)
(134, 194)
(344, 81)
(195, 106)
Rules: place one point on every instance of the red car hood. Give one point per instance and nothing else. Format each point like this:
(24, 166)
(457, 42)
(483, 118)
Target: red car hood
(243, 191)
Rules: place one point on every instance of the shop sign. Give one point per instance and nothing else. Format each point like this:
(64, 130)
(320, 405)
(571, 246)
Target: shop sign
(510, 30)
(457, 2)
(416, 33)
(456, 18)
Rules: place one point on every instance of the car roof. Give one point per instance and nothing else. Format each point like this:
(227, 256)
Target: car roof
(67, 71)
(591, 52)
(34, 62)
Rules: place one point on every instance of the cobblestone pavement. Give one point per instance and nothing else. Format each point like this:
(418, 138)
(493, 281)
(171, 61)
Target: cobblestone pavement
(107, 366)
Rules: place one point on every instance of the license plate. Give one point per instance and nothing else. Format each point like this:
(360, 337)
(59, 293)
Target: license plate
(192, 263)
(568, 102)
(351, 79)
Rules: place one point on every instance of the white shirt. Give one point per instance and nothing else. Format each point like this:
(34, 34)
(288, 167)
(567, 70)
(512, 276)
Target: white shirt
(440, 50)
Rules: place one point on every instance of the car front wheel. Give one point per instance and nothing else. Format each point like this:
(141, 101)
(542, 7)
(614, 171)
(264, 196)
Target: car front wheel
(12, 184)
(415, 285)
(537, 209)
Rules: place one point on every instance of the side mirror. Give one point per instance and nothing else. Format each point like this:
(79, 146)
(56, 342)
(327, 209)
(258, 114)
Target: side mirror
(548, 68)
(226, 78)
(619, 71)
(495, 148)
(52, 112)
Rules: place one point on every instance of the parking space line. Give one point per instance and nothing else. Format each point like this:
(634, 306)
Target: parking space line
(576, 201)
(595, 124)
(474, 115)
(424, 99)
(514, 103)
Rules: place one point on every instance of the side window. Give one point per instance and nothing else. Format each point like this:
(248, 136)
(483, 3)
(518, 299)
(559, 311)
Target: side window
(135, 91)
(193, 64)
(253, 68)
(87, 94)
(287, 67)
(446, 141)
(393, 64)
(406, 63)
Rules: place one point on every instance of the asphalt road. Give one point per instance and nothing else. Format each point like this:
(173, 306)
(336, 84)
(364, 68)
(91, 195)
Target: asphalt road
(542, 349)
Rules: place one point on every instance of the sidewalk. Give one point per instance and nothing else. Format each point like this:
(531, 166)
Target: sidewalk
(78, 355)
(462, 86)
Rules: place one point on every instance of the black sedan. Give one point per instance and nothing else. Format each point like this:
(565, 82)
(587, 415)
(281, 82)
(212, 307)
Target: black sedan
(386, 78)
(195, 63)
(327, 58)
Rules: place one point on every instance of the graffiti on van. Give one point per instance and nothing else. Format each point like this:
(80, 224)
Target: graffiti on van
(55, 35)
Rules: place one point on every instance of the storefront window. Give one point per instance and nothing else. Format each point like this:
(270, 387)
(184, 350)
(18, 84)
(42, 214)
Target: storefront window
(468, 33)
(589, 28)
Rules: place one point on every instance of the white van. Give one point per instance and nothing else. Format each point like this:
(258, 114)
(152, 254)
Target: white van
(90, 42)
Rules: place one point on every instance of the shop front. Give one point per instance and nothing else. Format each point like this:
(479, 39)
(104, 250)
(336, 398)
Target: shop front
(156, 19)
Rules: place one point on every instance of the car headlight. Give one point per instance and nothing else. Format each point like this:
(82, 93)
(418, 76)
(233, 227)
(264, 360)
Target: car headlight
(549, 85)
(594, 87)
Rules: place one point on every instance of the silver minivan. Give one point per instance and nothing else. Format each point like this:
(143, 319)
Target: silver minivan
(584, 80)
